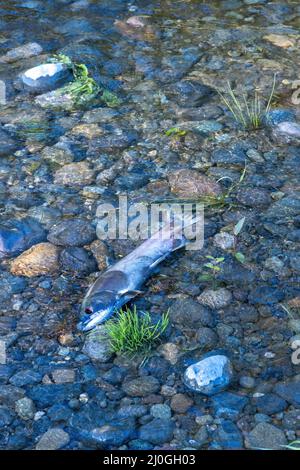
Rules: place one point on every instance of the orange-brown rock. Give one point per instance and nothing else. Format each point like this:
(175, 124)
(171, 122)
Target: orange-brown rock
(189, 184)
(39, 260)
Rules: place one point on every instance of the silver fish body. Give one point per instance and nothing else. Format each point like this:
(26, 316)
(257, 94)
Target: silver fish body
(122, 281)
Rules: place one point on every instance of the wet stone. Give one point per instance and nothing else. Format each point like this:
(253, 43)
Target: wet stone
(191, 184)
(141, 386)
(72, 232)
(6, 417)
(191, 93)
(228, 405)
(7, 144)
(180, 403)
(49, 394)
(18, 235)
(270, 404)
(97, 346)
(53, 439)
(209, 375)
(207, 339)
(266, 436)
(289, 392)
(23, 52)
(215, 299)
(160, 411)
(25, 377)
(157, 432)
(61, 376)
(25, 408)
(265, 295)
(75, 259)
(190, 313)
(39, 260)
(46, 77)
(74, 174)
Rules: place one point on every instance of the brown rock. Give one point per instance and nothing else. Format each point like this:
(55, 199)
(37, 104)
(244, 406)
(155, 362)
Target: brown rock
(180, 403)
(191, 184)
(100, 252)
(74, 174)
(141, 386)
(39, 260)
(280, 40)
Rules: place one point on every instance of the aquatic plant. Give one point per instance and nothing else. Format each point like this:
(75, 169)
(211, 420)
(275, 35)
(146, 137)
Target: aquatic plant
(131, 332)
(83, 88)
(213, 268)
(175, 132)
(250, 113)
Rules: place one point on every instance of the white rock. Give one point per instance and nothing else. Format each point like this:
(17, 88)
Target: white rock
(210, 375)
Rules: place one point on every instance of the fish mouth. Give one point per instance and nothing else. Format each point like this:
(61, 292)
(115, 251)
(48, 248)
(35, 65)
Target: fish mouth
(89, 322)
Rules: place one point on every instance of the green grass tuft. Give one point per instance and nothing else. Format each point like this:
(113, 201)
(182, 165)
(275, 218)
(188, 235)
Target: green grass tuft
(250, 113)
(132, 333)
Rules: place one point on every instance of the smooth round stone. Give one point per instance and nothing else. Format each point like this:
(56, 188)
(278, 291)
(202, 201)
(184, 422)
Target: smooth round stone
(247, 382)
(210, 375)
(46, 77)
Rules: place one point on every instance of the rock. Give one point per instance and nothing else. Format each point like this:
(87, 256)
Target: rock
(56, 100)
(265, 295)
(23, 52)
(46, 77)
(289, 392)
(77, 260)
(207, 338)
(247, 382)
(99, 115)
(224, 240)
(18, 235)
(278, 115)
(72, 232)
(25, 377)
(210, 375)
(234, 157)
(170, 352)
(9, 394)
(74, 174)
(228, 405)
(191, 184)
(100, 252)
(25, 408)
(229, 436)
(266, 436)
(7, 145)
(6, 417)
(190, 313)
(280, 40)
(10, 285)
(201, 437)
(180, 403)
(108, 436)
(118, 139)
(294, 325)
(191, 93)
(270, 404)
(97, 345)
(141, 387)
(288, 130)
(58, 154)
(161, 411)
(53, 439)
(50, 394)
(62, 376)
(157, 432)
(132, 411)
(39, 260)
(215, 299)
(256, 198)
(59, 412)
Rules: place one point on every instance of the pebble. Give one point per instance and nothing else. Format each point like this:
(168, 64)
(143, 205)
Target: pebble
(18, 235)
(157, 432)
(46, 77)
(180, 403)
(141, 386)
(215, 299)
(191, 184)
(25, 408)
(97, 346)
(161, 411)
(53, 439)
(224, 240)
(23, 52)
(74, 174)
(209, 375)
(39, 260)
(61, 376)
(72, 232)
(266, 436)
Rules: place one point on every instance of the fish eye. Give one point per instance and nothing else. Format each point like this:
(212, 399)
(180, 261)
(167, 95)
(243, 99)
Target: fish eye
(89, 310)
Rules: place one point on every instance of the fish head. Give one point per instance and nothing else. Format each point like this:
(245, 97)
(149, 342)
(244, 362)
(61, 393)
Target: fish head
(96, 309)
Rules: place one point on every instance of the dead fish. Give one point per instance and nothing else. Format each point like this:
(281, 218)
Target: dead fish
(122, 281)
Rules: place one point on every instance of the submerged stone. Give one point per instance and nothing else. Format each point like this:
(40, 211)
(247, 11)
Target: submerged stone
(46, 77)
(23, 52)
(210, 375)
(18, 235)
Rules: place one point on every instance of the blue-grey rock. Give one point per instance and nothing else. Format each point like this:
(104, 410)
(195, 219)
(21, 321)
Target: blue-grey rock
(229, 435)
(108, 436)
(276, 116)
(72, 232)
(270, 404)
(46, 77)
(161, 411)
(289, 392)
(59, 412)
(25, 408)
(158, 431)
(53, 439)
(266, 295)
(266, 436)
(77, 260)
(228, 405)
(17, 236)
(7, 144)
(6, 417)
(210, 375)
(25, 377)
(49, 394)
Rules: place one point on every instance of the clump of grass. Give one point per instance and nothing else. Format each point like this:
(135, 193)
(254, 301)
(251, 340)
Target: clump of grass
(84, 88)
(250, 113)
(131, 333)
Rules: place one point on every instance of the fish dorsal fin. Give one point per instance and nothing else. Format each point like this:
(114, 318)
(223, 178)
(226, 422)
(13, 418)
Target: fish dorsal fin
(129, 293)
